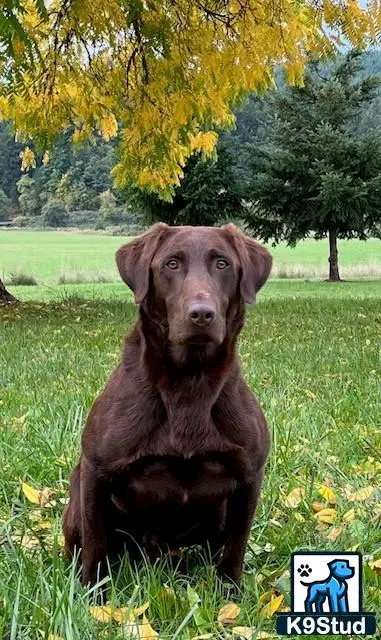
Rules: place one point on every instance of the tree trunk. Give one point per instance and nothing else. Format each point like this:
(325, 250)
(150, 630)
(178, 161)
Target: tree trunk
(5, 296)
(334, 275)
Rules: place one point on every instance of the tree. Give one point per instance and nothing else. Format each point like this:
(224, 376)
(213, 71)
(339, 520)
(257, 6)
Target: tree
(55, 214)
(208, 194)
(167, 74)
(4, 205)
(29, 200)
(317, 174)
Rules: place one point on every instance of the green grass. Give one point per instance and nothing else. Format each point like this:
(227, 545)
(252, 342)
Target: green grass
(310, 353)
(47, 255)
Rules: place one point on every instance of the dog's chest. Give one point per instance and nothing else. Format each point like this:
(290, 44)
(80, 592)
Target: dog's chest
(199, 479)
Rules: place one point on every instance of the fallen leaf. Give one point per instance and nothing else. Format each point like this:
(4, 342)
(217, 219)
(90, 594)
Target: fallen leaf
(123, 614)
(139, 610)
(37, 496)
(310, 394)
(228, 613)
(322, 526)
(375, 565)
(244, 632)
(334, 534)
(272, 607)
(265, 597)
(146, 632)
(102, 614)
(33, 495)
(45, 496)
(349, 516)
(318, 506)
(327, 493)
(294, 498)
(326, 515)
(361, 494)
(203, 636)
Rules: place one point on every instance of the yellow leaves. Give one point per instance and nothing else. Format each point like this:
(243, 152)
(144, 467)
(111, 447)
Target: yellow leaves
(375, 565)
(349, 516)
(37, 496)
(33, 495)
(243, 632)
(28, 160)
(326, 515)
(192, 81)
(108, 126)
(334, 534)
(294, 498)
(127, 616)
(327, 493)
(361, 495)
(271, 607)
(204, 142)
(228, 613)
(145, 631)
(101, 614)
(45, 158)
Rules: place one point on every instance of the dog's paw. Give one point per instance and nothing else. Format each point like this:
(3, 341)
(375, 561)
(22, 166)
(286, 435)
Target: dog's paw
(304, 570)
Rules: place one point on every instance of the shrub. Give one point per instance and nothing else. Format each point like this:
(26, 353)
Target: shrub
(81, 277)
(21, 278)
(55, 214)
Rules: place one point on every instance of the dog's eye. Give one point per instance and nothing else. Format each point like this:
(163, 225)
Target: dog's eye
(172, 264)
(222, 263)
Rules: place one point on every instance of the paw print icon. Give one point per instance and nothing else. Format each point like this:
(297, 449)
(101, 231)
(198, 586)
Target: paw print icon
(304, 570)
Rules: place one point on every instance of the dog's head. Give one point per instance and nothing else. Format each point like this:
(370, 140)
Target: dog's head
(341, 569)
(194, 278)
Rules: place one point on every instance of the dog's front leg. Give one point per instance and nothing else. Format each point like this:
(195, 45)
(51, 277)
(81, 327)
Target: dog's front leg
(93, 537)
(333, 602)
(241, 507)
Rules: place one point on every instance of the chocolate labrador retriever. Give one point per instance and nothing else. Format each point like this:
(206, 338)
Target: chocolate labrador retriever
(174, 448)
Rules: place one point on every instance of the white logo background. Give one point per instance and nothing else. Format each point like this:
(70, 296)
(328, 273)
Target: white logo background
(320, 571)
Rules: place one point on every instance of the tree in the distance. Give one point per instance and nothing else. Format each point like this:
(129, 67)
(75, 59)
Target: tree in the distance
(29, 200)
(318, 175)
(208, 194)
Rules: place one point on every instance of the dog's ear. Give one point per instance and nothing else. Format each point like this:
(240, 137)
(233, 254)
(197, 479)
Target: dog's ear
(255, 261)
(134, 260)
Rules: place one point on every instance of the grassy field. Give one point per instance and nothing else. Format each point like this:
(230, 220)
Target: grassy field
(310, 352)
(49, 256)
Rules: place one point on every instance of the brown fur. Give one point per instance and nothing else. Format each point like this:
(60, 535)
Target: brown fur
(174, 448)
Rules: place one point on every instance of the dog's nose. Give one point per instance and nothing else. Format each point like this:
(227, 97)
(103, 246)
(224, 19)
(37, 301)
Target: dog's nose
(201, 314)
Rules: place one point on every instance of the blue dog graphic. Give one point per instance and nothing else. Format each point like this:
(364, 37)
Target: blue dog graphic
(334, 588)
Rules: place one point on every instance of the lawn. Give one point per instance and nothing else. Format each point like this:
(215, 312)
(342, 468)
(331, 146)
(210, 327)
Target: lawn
(50, 255)
(310, 353)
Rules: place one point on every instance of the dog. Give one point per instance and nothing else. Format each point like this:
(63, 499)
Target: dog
(334, 588)
(174, 448)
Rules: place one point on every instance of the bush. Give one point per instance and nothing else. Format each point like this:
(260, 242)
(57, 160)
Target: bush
(86, 218)
(21, 278)
(55, 214)
(36, 222)
(81, 277)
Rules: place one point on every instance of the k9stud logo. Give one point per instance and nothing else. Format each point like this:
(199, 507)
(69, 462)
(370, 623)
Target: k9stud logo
(326, 596)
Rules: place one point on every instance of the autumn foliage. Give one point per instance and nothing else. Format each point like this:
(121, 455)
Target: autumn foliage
(166, 73)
